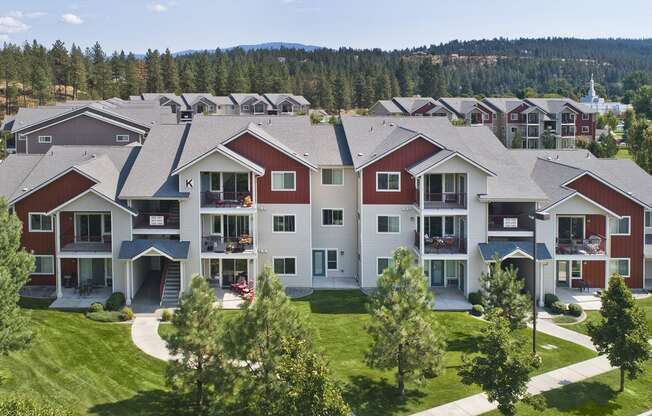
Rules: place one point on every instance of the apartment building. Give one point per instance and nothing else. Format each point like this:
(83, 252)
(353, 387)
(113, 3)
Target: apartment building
(324, 205)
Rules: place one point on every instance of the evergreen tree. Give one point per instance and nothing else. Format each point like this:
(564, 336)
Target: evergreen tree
(517, 140)
(154, 80)
(9, 57)
(642, 101)
(41, 84)
(204, 74)
(342, 93)
(187, 82)
(502, 290)
(405, 82)
(325, 92)
(382, 87)
(78, 74)
(16, 264)
(622, 333)
(220, 80)
(548, 139)
(359, 92)
(237, 80)
(132, 80)
(100, 71)
(403, 336)
(202, 371)
(258, 341)
(639, 139)
(169, 73)
(59, 63)
(502, 366)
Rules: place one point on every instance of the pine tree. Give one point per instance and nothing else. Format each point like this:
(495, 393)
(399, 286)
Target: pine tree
(405, 82)
(325, 93)
(502, 366)
(403, 336)
(169, 73)
(237, 80)
(502, 290)
(41, 84)
(154, 81)
(59, 62)
(204, 73)
(16, 264)
(9, 57)
(187, 82)
(258, 341)
(220, 86)
(100, 71)
(517, 140)
(382, 87)
(77, 71)
(359, 92)
(342, 93)
(622, 333)
(132, 81)
(202, 371)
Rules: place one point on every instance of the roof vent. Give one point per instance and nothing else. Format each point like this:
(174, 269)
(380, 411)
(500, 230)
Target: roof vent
(384, 122)
(260, 123)
(306, 154)
(549, 158)
(392, 124)
(93, 155)
(588, 155)
(25, 189)
(360, 154)
(371, 128)
(269, 121)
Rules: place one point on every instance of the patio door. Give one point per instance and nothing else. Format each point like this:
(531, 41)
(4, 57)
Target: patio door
(89, 228)
(319, 263)
(236, 226)
(436, 273)
(235, 184)
(233, 270)
(434, 188)
(563, 273)
(92, 271)
(571, 229)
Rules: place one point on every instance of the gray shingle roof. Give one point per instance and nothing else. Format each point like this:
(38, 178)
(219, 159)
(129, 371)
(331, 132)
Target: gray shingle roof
(410, 104)
(503, 104)
(177, 250)
(389, 106)
(276, 99)
(459, 105)
(505, 248)
(555, 105)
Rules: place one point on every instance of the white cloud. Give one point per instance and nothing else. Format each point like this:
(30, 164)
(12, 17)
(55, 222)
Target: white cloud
(157, 7)
(28, 15)
(10, 24)
(71, 19)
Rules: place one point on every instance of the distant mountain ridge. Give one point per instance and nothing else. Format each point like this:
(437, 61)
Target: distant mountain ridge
(252, 47)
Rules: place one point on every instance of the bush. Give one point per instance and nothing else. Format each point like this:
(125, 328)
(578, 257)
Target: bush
(166, 316)
(575, 309)
(475, 298)
(549, 299)
(477, 310)
(105, 316)
(115, 301)
(19, 406)
(96, 307)
(126, 314)
(558, 307)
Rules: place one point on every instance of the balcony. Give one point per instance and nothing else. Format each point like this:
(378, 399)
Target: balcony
(510, 222)
(443, 200)
(567, 131)
(211, 199)
(227, 245)
(447, 244)
(157, 220)
(593, 246)
(567, 118)
(85, 244)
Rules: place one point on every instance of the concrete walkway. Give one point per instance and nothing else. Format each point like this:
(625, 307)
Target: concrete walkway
(548, 327)
(144, 333)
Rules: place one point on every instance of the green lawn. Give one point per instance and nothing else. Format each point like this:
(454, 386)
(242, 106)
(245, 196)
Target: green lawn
(623, 153)
(594, 316)
(96, 370)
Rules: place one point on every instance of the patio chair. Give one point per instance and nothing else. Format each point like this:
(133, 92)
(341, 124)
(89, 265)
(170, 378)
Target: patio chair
(583, 285)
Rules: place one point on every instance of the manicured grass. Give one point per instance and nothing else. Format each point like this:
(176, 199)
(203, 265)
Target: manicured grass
(564, 319)
(594, 316)
(623, 153)
(165, 330)
(105, 316)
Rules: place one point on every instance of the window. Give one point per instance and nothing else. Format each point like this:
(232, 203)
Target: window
(485, 116)
(585, 116)
(513, 116)
(331, 177)
(245, 108)
(576, 269)
(107, 224)
(40, 223)
(122, 138)
(214, 267)
(449, 183)
(648, 218)
(619, 226)
(388, 181)
(620, 266)
(283, 223)
(43, 264)
(389, 224)
(585, 129)
(45, 139)
(216, 182)
(570, 229)
(383, 263)
(332, 217)
(533, 118)
(285, 266)
(331, 259)
(449, 225)
(217, 225)
(283, 181)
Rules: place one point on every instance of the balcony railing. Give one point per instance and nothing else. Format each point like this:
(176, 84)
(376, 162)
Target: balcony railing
(448, 244)
(593, 246)
(211, 199)
(456, 200)
(510, 222)
(156, 219)
(70, 242)
(219, 244)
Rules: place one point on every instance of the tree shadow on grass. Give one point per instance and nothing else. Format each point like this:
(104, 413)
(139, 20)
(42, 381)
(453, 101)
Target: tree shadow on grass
(368, 397)
(583, 398)
(144, 403)
(462, 342)
(337, 302)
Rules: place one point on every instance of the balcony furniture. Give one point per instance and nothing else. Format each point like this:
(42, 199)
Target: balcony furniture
(67, 281)
(583, 285)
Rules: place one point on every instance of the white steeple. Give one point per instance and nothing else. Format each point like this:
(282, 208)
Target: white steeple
(592, 87)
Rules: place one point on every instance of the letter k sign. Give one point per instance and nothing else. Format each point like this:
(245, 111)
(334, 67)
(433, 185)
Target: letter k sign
(189, 183)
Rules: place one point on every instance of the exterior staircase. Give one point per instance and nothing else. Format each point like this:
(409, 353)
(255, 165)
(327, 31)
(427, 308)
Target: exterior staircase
(171, 285)
(173, 219)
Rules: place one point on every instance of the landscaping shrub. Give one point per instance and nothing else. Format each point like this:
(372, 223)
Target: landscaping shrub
(105, 316)
(167, 315)
(126, 314)
(477, 310)
(96, 307)
(549, 299)
(475, 298)
(115, 301)
(558, 307)
(575, 309)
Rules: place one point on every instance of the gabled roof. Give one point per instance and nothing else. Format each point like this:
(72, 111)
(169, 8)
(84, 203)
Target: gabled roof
(462, 105)
(441, 157)
(512, 249)
(503, 104)
(171, 249)
(408, 105)
(556, 105)
(276, 99)
(388, 105)
(243, 98)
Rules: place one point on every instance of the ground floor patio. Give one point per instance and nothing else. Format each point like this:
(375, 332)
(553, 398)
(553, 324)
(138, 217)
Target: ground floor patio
(589, 300)
(72, 299)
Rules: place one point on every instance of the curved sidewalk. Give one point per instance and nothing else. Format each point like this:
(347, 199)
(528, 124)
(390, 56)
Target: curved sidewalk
(144, 333)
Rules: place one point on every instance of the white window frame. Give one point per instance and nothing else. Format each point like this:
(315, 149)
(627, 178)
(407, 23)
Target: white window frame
(332, 184)
(337, 259)
(629, 225)
(629, 265)
(647, 219)
(285, 258)
(45, 139)
(245, 107)
(53, 265)
(485, 117)
(388, 173)
(283, 172)
(389, 264)
(388, 216)
(585, 116)
(32, 230)
(513, 117)
(332, 209)
(119, 138)
(585, 129)
(284, 225)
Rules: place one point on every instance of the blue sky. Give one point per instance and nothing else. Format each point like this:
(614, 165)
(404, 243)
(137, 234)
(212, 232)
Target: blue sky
(135, 25)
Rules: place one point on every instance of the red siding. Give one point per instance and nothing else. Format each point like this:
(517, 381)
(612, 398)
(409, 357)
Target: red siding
(273, 160)
(397, 161)
(630, 246)
(596, 224)
(43, 200)
(518, 110)
(590, 123)
(424, 109)
(593, 273)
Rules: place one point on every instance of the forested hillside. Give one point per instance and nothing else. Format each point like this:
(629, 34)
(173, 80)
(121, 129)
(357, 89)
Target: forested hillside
(331, 79)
